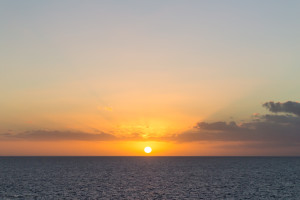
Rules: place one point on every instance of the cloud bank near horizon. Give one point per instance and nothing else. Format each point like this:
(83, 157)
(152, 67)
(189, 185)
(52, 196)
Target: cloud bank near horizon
(272, 129)
(54, 135)
(283, 129)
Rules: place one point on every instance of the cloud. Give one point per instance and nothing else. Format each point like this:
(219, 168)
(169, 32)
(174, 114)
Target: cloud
(105, 108)
(269, 129)
(287, 107)
(231, 126)
(46, 135)
(55, 135)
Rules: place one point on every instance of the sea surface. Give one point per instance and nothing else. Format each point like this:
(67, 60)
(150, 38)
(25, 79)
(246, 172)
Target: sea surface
(149, 178)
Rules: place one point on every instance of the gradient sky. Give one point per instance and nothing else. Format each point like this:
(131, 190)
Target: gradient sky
(185, 77)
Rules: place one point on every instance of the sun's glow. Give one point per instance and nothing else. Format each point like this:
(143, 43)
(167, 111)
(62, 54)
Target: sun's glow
(148, 149)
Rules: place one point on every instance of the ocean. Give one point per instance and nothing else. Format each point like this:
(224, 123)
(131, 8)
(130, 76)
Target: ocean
(149, 178)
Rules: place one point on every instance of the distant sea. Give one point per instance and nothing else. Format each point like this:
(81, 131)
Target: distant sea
(149, 178)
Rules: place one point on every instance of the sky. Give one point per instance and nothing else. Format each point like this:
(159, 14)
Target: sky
(188, 78)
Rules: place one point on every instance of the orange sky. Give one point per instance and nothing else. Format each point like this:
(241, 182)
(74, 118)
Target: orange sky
(109, 78)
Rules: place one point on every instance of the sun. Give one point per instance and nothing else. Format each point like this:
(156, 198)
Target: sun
(148, 149)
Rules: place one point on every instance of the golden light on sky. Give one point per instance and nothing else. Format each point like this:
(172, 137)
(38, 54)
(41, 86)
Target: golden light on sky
(109, 78)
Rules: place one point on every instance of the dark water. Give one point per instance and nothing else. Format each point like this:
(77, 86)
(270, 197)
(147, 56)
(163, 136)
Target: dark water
(149, 177)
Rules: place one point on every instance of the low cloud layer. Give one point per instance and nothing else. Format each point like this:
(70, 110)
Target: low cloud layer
(270, 130)
(46, 135)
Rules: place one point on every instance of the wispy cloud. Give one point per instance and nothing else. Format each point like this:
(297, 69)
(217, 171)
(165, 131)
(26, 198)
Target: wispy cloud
(47, 135)
(105, 108)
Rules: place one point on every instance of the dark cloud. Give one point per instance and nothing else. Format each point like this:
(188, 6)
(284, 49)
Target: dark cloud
(287, 107)
(45, 135)
(270, 129)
